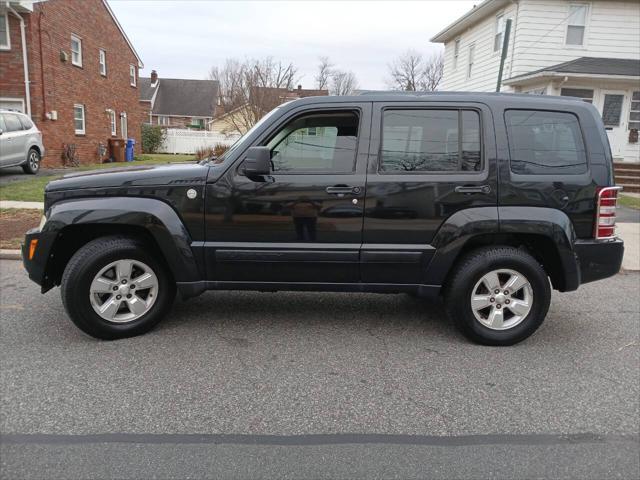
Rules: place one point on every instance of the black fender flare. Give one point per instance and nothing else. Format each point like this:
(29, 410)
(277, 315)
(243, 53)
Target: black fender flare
(464, 225)
(156, 217)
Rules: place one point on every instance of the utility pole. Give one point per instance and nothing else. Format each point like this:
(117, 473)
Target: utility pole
(503, 57)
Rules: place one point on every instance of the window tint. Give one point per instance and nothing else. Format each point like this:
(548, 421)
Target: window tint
(430, 141)
(26, 122)
(12, 122)
(545, 142)
(321, 143)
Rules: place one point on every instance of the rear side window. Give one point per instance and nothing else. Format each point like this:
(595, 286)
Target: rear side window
(12, 122)
(429, 140)
(545, 143)
(26, 122)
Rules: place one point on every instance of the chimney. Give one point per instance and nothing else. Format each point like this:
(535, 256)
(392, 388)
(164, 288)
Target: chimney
(154, 77)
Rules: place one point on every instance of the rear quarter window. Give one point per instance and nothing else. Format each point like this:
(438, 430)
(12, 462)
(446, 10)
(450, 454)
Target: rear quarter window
(545, 143)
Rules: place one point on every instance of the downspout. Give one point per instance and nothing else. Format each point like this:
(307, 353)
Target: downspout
(25, 63)
(44, 96)
(515, 32)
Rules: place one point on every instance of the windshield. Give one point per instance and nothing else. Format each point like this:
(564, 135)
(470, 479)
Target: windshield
(243, 138)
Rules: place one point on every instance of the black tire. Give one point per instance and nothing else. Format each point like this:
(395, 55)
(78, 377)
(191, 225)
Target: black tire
(87, 263)
(32, 165)
(471, 269)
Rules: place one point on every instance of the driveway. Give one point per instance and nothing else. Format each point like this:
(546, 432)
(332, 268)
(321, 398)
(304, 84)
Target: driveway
(300, 385)
(15, 174)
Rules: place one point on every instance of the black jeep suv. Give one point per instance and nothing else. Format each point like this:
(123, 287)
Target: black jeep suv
(485, 199)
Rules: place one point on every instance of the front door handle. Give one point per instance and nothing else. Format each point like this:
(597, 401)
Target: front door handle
(343, 190)
(473, 189)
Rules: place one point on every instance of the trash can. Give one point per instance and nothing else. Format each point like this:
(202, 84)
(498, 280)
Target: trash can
(116, 149)
(129, 153)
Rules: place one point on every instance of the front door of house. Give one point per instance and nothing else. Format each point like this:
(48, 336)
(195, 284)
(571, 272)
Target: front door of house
(612, 103)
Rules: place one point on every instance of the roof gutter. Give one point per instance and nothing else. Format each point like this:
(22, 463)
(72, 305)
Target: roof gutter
(549, 74)
(25, 63)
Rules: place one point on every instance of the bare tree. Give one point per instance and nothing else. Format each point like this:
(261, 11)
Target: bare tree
(432, 73)
(325, 69)
(406, 71)
(343, 83)
(251, 88)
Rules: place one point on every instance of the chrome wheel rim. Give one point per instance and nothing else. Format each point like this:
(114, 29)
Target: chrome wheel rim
(33, 161)
(502, 299)
(123, 291)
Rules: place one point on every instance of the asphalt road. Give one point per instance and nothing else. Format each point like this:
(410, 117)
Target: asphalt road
(301, 385)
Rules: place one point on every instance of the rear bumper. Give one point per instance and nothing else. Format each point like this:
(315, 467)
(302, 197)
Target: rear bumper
(599, 259)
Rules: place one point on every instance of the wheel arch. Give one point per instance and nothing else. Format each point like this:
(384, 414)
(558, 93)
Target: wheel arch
(72, 224)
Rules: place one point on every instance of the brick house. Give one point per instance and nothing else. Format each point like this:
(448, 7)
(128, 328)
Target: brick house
(79, 80)
(177, 102)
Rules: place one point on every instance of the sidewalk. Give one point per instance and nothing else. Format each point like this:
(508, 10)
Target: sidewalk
(27, 205)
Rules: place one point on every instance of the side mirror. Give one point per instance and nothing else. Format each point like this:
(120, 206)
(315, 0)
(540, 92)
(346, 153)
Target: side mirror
(258, 162)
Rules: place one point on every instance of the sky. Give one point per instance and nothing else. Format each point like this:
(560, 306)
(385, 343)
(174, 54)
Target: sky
(185, 38)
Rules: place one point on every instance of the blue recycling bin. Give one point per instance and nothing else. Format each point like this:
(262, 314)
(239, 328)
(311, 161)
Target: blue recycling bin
(129, 149)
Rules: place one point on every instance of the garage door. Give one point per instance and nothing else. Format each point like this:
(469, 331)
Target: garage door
(12, 104)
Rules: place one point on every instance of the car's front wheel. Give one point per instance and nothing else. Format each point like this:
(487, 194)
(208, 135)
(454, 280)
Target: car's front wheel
(498, 295)
(112, 288)
(32, 164)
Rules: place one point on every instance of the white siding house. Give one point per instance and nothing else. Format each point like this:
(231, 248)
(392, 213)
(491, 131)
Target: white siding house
(589, 49)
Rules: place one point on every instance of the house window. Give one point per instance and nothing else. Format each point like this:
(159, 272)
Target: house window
(537, 91)
(499, 31)
(197, 123)
(430, 140)
(132, 75)
(576, 24)
(472, 49)
(76, 51)
(585, 94)
(103, 63)
(5, 38)
(162, 120)
(78, 119)
(112, 122)
(123, 125)
(634, 112)
(612, 109)
(456, 53)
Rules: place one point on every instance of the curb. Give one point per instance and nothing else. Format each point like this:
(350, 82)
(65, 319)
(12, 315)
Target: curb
(10, 255)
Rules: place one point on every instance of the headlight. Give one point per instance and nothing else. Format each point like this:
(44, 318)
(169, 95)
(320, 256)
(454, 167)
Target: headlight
(43, 220)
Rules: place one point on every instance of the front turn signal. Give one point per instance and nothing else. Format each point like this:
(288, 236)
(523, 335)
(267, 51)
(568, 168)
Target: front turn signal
(33, 244)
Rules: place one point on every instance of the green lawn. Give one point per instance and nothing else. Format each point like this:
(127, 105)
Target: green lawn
(31, 189)
(627, 201)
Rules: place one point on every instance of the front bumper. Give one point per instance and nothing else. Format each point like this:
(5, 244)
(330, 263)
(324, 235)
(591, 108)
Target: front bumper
(599, 259)
(36, 267)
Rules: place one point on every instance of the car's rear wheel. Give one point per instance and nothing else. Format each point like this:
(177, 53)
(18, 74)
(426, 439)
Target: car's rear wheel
(498, 295)
(32, 164)
(113, 288)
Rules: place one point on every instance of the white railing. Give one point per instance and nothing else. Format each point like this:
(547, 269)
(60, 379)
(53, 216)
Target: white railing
(188, 141)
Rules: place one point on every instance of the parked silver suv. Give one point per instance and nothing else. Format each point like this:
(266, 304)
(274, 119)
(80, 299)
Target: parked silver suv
(20, 142)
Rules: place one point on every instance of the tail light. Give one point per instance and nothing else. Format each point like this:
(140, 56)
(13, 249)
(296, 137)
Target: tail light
(606, 200)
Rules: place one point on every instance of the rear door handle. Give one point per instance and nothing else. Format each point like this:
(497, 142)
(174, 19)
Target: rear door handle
(343, 190)
(473, 189)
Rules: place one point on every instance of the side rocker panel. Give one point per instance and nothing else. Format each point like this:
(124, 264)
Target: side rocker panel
(158, 218)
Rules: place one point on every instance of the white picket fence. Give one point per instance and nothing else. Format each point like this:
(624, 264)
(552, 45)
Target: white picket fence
(188, 141)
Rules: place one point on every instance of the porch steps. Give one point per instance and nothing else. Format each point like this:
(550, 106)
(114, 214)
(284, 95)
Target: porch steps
(628, 175)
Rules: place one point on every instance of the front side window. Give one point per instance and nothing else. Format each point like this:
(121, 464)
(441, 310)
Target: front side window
(5, 39)
(132, 75)
(576, 24)
(112, 122)
(470, 63)
(585, 94)
(545, 143)
(430, 141)
(78, 119)
(12, 122)
(499, 31)
(103, 63)
(316, 143)
(76, 51)
(634, 112)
